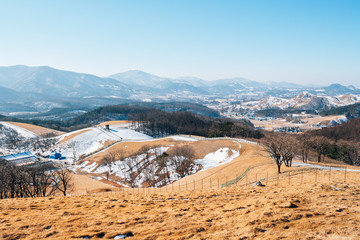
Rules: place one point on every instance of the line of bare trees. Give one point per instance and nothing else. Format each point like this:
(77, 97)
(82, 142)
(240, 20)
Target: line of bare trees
(284, 147)
(33, 181)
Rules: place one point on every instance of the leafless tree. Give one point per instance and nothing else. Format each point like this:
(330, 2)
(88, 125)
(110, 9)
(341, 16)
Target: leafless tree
(44, 142)
(63, 181)
(108, 161)
(281, 148)
(182, 158)
(73, 147)
(319, 144)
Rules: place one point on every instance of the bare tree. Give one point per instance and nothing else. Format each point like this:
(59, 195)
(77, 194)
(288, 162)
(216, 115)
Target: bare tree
(281, 148)
(304, 147)
(63, 181)
(73, 147)
(44, 142)
(108, 161)
(351, 151)
(319, 144)
(182, 157)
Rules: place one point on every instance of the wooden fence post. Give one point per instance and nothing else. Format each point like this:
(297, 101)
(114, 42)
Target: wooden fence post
(345, 173)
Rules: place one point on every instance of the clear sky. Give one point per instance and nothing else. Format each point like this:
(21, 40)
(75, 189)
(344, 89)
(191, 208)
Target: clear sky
(303, 41)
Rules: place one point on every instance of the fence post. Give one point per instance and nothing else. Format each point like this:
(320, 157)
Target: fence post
(345, 173)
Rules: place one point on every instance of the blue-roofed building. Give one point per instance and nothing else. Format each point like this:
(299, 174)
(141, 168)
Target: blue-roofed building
(21, 159)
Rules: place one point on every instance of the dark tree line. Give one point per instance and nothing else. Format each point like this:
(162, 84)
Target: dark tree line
(159, 123)
(115, 112)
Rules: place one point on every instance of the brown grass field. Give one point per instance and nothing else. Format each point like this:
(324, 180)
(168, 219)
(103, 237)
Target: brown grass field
(299, 204)
(36, 129)
(307, 210)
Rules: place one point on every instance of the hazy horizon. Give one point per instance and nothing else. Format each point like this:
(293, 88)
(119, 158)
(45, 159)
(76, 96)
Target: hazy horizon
(303, 42)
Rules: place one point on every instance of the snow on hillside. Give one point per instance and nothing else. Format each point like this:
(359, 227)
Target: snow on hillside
(21, 131)
(148, 167)
(221, 156)
(89, 140)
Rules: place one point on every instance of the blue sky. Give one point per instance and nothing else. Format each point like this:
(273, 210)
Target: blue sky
(303, 41)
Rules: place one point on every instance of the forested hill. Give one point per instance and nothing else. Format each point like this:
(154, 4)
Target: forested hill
(349, 131)
(157, 123)
(350, 111)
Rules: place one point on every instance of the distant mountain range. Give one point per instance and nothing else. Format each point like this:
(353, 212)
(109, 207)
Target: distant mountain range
(34, 89)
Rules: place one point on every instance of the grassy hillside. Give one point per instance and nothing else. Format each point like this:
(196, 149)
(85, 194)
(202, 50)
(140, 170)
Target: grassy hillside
(310, 210)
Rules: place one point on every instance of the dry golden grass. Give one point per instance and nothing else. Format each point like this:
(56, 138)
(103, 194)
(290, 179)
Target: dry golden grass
(36, 129)
(299, 204)
(321, 210)
(111, 123)
(84, 184)
(71, 136)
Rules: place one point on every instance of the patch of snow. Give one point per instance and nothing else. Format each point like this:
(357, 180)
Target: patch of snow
(184, 138)
(221, 156)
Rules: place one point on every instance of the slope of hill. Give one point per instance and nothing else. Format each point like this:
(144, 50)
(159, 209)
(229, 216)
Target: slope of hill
(310, 210)
(37, 130)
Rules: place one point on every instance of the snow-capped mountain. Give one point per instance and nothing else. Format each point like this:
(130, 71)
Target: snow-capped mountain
(38, 89)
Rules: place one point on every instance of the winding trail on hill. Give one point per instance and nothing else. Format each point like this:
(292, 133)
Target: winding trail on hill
(302, 164)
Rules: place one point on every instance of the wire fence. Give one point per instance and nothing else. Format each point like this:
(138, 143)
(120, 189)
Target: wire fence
(247, 178)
